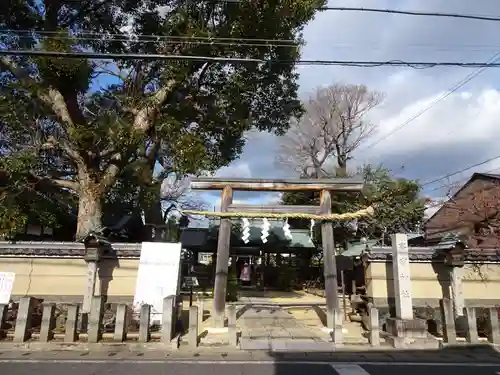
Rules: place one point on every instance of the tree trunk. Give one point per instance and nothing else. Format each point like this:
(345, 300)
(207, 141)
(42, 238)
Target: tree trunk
(155, 227)
(89, 212)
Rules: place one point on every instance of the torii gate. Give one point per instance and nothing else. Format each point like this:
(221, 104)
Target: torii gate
(229, 185)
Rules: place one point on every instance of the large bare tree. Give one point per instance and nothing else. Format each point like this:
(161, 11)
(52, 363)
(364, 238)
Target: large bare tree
(333, 126)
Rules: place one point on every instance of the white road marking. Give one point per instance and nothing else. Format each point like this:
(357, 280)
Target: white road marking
(349, 369)
(208, 362)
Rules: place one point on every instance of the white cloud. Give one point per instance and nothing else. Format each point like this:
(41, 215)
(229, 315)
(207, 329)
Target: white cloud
(433, 206)
(461, 117)
(237, 169)
(459, 131)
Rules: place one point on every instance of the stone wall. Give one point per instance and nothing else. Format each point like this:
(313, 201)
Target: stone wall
(431, 282)
(63, 279)
(56, 272)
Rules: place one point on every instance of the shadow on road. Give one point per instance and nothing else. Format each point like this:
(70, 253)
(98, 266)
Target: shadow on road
(459, 360)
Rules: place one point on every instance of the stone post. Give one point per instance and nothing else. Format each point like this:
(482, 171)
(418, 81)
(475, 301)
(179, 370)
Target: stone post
(90, 284)
(231, 325)
(337, 335)
(401, 274)
(23, 321)
(494, 334)
(121, 323)
(329, 265)
(447, 314)
(222, 263)
(95, 319)
(201, 312)
(374, 337)
(168, 319)
(71, 333)
(144, 320)
(471, 332)
(457, 293)
(48, 322)
(403, 324)
(3, 316)
(193, 327)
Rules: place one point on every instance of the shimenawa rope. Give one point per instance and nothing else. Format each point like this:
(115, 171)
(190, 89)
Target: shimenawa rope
(271, 215)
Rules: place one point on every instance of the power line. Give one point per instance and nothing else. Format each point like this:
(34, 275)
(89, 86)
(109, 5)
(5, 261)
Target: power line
(153, 37)
(168, 41)
(450, 91)
(415, 13)
(161, 40)
(460, 181)
(142, 56)
(396, 11)
(460, 171)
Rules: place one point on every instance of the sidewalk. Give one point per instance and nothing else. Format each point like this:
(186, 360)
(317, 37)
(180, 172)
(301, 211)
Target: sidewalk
(159, 352)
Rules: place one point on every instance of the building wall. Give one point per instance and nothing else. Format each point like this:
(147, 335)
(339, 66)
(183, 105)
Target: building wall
(63, 279)
(431, 282)
(474, 202)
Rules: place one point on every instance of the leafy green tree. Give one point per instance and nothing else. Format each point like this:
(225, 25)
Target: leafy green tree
(397, 203)
(180, 116)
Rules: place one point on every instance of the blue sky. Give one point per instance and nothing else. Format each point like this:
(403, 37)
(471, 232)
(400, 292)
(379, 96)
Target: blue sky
(461, 130)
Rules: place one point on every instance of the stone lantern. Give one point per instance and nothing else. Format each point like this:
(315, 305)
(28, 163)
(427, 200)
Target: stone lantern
(454, 259)
(455, 256)
(95, 246)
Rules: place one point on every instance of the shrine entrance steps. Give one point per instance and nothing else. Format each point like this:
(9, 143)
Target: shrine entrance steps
(284, 321)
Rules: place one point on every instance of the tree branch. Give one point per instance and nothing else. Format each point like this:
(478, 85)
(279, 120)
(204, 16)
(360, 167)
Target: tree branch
(145, 117)
(64, 145)
(68, 184)
(50, 96)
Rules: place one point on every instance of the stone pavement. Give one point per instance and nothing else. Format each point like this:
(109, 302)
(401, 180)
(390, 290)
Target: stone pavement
(157, 351)
(267, 320)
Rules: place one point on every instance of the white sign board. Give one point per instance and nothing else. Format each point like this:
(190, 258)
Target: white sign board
(158, 276)
(6, 285)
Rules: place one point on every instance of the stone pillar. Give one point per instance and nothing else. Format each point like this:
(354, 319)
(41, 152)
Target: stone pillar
(471, 333)
(90, 284)
(201, 312)
(71, 333)
(48, 322)
(337, 335)
(95, 319)
(23, 321)
(448, 316)
(494, 334)
(374, 337)
(169, 318)
(121, 323)
(231, 325)
(457, 293)
(193, 327)
(3, 316)
(221, 267)
(144, 320)
(401, 274)
(403, 324)
(329, 265)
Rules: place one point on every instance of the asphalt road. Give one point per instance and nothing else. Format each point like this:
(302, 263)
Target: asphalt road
(21, 367)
